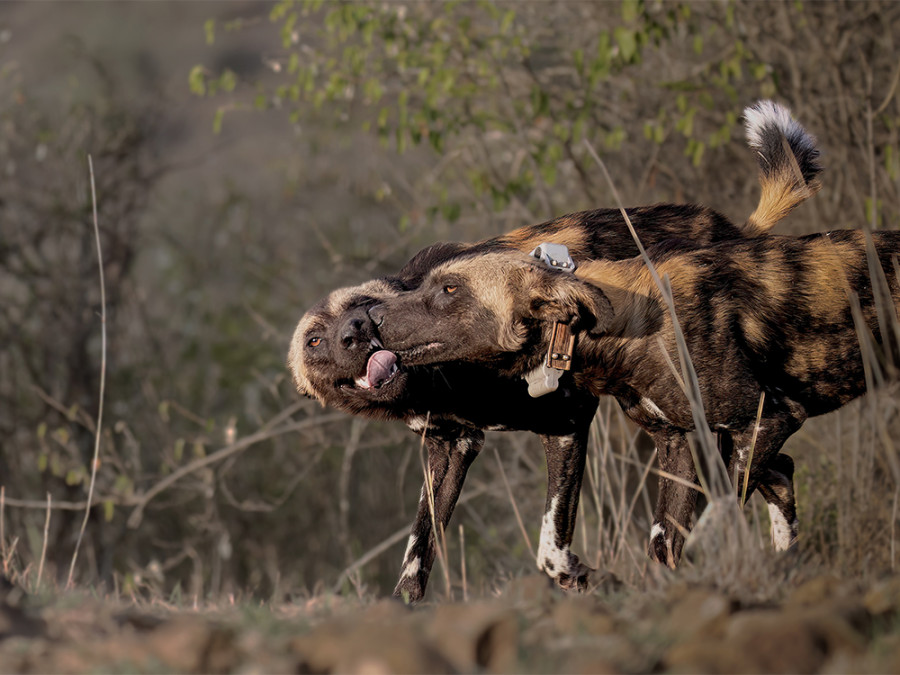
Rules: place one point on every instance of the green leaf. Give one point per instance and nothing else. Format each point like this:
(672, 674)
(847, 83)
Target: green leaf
(629, 10)
(42, 462)
(228, 80)
(42, 430)
(197, 80)
(109, 510)
(508, 19)
(627, 41)
(123, 485)
(217, 120)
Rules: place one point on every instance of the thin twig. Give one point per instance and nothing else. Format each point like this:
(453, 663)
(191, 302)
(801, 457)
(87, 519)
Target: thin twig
(891, 92)
(512, 500)
(762, 400)
(95, 461)
(141, 502)
(2, 521)
(37, 584)
(462, 562)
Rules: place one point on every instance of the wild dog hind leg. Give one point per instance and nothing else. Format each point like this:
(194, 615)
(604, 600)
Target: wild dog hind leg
(451, 450)
(770, 472)
(777, 488)
(565, 470)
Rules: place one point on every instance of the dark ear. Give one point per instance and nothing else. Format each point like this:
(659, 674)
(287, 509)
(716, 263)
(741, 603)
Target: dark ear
(426, 260)
(561, 296)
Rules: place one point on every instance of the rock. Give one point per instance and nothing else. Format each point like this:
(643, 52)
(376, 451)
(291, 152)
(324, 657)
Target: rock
(582, 615)
(698, 611)
(884, 597)
(769, 641)
(353, 646)
(194, 645)
(475, 636)
(817, 590)
(533, 588)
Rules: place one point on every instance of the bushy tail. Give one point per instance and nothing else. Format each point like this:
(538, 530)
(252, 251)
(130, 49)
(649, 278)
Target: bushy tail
(788, 163)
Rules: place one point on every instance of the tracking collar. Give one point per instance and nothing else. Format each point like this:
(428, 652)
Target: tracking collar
(545, 378)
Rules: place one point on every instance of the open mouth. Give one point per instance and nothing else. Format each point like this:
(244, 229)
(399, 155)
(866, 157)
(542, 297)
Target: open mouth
(380, 369)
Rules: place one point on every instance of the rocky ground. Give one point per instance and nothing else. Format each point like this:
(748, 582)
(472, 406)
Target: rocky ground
(822, 625)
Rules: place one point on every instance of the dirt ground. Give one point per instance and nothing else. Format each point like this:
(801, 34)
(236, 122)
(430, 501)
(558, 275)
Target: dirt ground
(822, 625)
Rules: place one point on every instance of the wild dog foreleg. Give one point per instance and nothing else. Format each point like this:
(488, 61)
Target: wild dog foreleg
(676, 501)
(451, 450)
(565, 470)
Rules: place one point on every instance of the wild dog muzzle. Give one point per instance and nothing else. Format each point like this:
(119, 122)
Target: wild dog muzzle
(545, 378)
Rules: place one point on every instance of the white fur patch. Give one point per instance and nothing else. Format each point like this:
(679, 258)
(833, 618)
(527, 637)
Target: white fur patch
(411, 568)
(653, 409)
(767, 114)
(417, 423)
(656, 531)
(784, 534)
(409, 546)
(549, 555)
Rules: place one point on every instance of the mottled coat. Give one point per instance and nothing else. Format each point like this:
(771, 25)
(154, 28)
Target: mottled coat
(778, 316)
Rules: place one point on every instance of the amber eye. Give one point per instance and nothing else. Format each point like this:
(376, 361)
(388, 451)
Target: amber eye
(314, 342)
(449, 289)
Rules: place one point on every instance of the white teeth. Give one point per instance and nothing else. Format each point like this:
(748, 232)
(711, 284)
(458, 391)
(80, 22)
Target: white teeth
(394, 369)
(376, 343)
(362, 383)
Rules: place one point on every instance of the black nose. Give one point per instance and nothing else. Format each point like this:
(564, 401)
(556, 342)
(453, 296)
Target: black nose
(355, 329)
(376, 313)
(350, 331)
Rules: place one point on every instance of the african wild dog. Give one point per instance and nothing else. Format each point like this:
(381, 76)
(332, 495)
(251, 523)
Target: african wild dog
(772, 315)
(336, 355)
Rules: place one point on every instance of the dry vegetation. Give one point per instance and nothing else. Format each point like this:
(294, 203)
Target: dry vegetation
(236, 528)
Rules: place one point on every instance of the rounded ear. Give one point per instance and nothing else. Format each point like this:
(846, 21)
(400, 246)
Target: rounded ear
(563, 297)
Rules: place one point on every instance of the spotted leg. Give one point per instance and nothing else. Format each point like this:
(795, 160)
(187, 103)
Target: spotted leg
(451, 450)
(676, 500)
(771, 472)
(565, 470)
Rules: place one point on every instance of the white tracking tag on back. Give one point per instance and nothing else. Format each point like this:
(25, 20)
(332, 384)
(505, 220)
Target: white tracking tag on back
(555, 256)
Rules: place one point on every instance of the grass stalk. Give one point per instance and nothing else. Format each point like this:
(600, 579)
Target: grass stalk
(515, 507)
(762, 400)
(462, 562)
(96, 458)
(40, 573)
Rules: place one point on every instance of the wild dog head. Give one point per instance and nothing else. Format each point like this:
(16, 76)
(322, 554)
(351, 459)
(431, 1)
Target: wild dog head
(488, 308)
(336, 355)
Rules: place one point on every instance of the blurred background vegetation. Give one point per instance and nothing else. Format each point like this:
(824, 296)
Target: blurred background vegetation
(251, 157)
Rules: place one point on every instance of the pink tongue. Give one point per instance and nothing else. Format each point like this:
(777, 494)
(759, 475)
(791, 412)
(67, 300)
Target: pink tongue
(379, 367)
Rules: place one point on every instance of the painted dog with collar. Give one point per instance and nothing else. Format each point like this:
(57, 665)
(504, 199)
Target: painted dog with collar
(337, 357)
(781, 317)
